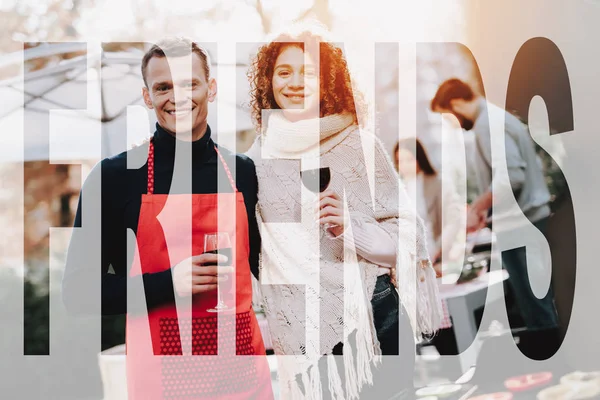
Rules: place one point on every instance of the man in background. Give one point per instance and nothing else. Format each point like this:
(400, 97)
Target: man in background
(528, 184)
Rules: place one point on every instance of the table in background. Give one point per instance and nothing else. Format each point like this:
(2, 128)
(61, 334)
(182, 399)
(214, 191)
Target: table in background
(463, 299)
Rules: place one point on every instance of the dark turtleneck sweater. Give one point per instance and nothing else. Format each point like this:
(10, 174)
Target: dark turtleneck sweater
(120, 202)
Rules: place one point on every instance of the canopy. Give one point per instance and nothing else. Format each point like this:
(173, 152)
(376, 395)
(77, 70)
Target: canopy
(60, 112)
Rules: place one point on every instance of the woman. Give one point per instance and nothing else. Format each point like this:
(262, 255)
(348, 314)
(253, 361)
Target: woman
(423, 184)
(306, 266)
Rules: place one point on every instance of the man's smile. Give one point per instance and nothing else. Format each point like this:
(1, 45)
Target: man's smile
(180, 112)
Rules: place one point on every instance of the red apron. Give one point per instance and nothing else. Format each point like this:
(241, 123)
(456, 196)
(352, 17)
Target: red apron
(161, 363)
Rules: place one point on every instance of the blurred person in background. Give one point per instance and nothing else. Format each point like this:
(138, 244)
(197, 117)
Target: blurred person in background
(361, 315)
(527, 184)
(424, 184)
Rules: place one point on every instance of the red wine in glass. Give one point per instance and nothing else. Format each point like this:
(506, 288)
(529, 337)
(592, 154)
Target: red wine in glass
(225, 286)
(219, 243)
(316, 180)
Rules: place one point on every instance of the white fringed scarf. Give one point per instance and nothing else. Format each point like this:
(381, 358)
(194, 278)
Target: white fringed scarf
(313, 299)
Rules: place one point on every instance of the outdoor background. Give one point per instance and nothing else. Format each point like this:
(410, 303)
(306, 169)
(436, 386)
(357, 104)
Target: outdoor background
(50, 189)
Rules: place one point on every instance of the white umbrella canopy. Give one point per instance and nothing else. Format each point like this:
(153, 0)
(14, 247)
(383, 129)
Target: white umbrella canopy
(60, 112)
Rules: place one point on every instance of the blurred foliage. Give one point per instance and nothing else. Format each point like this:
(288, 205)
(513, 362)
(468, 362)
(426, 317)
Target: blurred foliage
(36, 319)
(66, 368)
(113, 331)
(37, 21)
(555, 179)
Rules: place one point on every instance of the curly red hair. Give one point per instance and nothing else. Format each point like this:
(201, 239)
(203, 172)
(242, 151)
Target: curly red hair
(337, 92)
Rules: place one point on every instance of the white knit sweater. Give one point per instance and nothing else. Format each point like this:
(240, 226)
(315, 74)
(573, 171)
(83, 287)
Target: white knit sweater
(316, 291)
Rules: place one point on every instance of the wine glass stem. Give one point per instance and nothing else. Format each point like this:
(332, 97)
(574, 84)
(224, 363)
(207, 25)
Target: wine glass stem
(220, 303)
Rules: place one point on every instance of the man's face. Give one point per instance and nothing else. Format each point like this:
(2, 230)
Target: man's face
(465, 123)
(179, 95)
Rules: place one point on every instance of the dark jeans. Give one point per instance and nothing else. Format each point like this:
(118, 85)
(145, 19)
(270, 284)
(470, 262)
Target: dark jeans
(393, 378)
(538, 314)
(445, 342)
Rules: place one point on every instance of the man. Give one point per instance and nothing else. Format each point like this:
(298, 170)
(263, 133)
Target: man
(170, 203)
(525, 178)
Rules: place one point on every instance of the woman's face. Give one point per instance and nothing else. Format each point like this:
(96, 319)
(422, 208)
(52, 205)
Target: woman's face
(296, 84)
(407, 163)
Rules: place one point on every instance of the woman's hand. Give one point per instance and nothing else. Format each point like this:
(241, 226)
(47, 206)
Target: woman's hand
(393, 277)
(475, 219)
(438, 270)
(437, 257)
(331, 211)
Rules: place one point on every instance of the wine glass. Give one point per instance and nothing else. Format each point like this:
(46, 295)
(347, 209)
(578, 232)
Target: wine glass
(316, 180)
(219, 243)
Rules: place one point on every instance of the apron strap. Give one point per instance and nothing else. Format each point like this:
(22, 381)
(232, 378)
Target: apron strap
(227, 171)
(150, 189)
